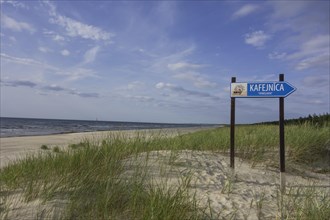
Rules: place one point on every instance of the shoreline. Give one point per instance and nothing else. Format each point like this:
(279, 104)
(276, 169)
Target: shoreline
(20, 127)
(113, 130)
(13, 148)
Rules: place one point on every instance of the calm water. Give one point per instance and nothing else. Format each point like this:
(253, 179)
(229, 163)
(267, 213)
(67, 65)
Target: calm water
(14, 127)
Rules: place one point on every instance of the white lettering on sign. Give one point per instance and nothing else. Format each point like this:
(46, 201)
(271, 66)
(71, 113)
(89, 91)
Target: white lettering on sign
(266, 87)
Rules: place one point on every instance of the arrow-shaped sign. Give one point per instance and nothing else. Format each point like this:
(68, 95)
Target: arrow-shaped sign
(261, 89)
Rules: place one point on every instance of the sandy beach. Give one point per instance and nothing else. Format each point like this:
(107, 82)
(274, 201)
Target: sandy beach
(12, 148)
(244, 193)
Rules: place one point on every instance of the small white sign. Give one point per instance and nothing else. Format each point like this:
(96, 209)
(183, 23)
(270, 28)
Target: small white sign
(238, 90)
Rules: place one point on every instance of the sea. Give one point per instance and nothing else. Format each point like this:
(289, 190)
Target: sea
(16, 127)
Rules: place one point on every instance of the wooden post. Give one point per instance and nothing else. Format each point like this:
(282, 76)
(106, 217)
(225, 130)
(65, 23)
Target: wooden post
(282, 141)
(232, 129)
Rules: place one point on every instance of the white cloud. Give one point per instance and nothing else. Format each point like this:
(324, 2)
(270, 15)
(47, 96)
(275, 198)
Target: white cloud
(184, 92)
(57, 88)
(198, 80)
(86, 94)
(245, 10)
(185, 71)
(135, 85)
(257, 38)
(71, 74)
(226, 89)
(16, 4)
(65, 52)
(48, 88)
(90, 54)
(77, 73)
(317, 43)
(316, 81)
(44, 49)
(77, 29)
(321, 60)
(161, 64)
(183, 65)
(54, 87)
(277, 56)
(26, 61)
(58, 37)
(287, 9)
(53, 35)
(312, 53)
(315, 46)
(166, 11)
(12, 38)
(140, 98)
(303, 19)
(306, 28)
(161, 85)
(17, 83)
(12, 24)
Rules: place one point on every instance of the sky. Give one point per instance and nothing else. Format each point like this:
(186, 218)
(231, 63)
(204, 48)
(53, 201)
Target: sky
(161, 61)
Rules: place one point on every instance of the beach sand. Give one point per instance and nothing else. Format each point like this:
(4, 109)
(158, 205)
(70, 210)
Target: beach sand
(13, 148)
(244, 193)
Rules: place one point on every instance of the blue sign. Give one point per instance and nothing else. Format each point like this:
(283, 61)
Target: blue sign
(261, 89)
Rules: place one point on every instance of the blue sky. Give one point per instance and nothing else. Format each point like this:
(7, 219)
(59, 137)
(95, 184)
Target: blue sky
(161, 61)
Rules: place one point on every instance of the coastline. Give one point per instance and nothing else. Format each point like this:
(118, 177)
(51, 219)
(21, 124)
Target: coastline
(13, 148)
(20, 127)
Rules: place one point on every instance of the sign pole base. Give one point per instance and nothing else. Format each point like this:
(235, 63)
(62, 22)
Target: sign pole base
(282, 182)
(282, 194)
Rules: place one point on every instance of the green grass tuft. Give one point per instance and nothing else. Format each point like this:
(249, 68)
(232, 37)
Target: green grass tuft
(56, 149)
(44, 147)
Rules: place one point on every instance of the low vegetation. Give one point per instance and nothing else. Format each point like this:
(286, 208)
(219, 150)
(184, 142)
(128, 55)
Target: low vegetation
(305, 203)
(56, 149)
(314, 120)
(44, 147)
(90, 174)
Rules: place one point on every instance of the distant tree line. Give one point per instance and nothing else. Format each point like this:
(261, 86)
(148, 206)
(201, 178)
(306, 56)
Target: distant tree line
(315, 120)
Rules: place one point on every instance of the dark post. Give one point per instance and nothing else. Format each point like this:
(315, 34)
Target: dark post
(282, 145)
(232, 129)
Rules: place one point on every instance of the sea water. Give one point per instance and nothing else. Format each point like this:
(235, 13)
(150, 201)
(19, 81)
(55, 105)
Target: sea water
(15, 127)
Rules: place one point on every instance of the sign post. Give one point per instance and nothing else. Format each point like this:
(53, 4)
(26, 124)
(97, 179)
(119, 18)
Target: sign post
(282, 142)
(232, 129)
(280, 89)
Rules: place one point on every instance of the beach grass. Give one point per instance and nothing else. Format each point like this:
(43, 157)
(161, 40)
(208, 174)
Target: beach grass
(91, 174)
(305, 202)
(44, 147)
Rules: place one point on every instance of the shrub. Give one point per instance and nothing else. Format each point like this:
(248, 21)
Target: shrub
(56, 149)
(44, 147)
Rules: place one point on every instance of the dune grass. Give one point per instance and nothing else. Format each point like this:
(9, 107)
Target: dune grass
(90, 174)
(91, 178)
(305, 143)
(305, 203)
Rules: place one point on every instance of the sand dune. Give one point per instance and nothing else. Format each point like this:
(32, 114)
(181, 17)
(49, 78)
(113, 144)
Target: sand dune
(244, 193)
